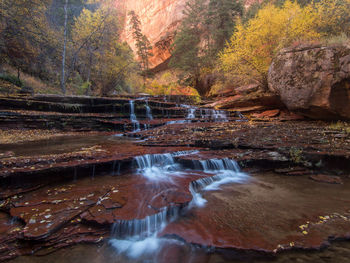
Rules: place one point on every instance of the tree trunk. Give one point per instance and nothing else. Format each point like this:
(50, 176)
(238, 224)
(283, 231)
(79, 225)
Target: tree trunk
(88, 90)
(63, 77)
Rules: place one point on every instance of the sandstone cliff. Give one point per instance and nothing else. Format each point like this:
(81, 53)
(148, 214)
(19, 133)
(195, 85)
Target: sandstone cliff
(159, 19)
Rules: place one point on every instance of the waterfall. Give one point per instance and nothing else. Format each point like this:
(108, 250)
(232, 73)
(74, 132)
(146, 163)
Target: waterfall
(225, 170)
(215, 115)
(179, 122)
(145, 227)
(164, 168)
(150, 160)
(139, 237)
(133, 119)
(191, 113)
(219, 115)
(163, 160)
(160, 167)
(197, 199)
(157, 167)
(241, 116)
(206, 114)
(115, 162)
(148, 112)
(219, 165)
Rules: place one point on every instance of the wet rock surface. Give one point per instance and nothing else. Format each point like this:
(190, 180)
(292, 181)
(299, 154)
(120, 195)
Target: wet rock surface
(69, 190)
(283, 210)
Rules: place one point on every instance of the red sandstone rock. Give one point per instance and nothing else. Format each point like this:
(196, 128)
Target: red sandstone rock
(159, 19)
(326, 179)
(267, 114)
(313, 81)
(267, 216)
(249, 102)
(286, 115)
(247, 89)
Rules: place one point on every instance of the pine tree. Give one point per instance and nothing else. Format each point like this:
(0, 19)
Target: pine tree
(144, 47)
(221, 20)
(187, 55)
(205, 29)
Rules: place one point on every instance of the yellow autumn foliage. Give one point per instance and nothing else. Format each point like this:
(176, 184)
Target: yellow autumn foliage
(155, 88)
(252, 47)
(333, 17)
(104, 61)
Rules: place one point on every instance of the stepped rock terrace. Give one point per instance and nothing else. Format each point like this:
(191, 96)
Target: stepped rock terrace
(186, 182)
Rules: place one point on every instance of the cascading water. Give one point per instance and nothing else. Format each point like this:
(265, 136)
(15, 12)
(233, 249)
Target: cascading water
(215, 115)
(148, 112)
(226, 171)
(205, 115)
(241, 116)
(139, 237)
(145, 227)
(178, 122)
(191, 113)
(133, 119)
(156, 167)
(160, 167)
(219, 115)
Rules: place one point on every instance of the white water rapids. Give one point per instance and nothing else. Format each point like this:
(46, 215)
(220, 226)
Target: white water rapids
(139, 237)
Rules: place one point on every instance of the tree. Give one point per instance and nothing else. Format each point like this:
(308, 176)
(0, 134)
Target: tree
(24, 32)
(98, 55)
(187, 53)
(252, 47)
(204, 31)
(333, 17)
(67, 23)
(221, 21)
(67, 43)
(144, 47)
(63, 76)
(87, 37)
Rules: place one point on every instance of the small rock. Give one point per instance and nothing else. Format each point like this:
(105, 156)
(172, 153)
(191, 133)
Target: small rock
(267, 114)
(322, 178)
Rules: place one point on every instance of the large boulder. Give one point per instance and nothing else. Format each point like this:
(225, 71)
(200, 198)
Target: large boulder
(313, 81)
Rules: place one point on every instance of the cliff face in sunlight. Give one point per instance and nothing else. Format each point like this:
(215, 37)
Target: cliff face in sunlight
(159, 19)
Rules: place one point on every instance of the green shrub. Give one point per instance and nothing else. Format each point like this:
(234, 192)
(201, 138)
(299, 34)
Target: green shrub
(83, 88)
(12, 79)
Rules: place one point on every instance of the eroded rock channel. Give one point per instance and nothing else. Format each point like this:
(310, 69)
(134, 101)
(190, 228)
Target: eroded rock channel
(151, 180)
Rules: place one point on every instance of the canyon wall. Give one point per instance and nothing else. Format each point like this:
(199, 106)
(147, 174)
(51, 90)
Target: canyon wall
(159, 20)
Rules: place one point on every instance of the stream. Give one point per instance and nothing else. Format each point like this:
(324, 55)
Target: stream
(225, 205)
(167, 204)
